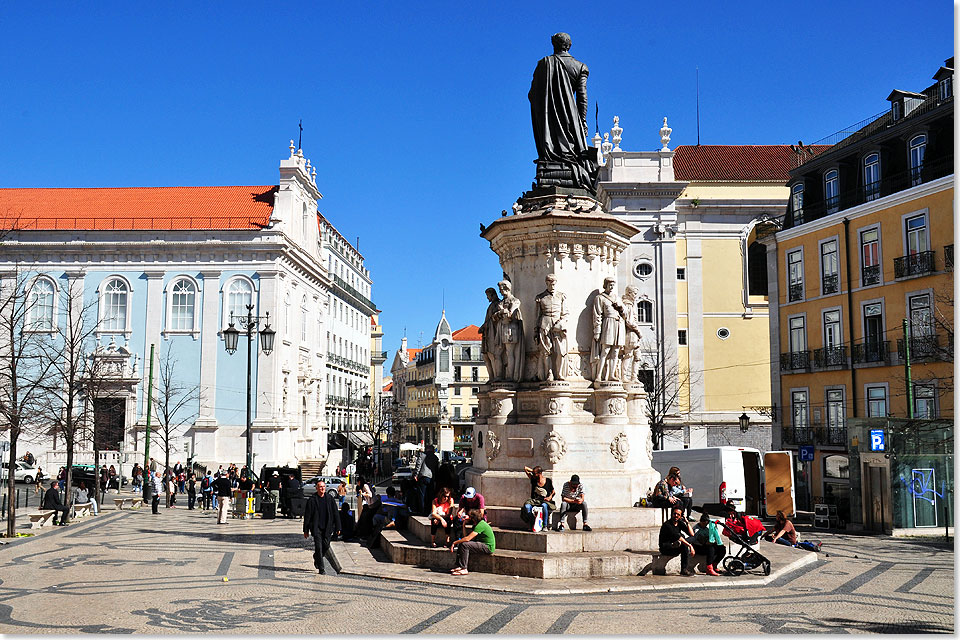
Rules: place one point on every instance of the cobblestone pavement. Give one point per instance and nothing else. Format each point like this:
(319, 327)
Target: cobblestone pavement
(179, 572)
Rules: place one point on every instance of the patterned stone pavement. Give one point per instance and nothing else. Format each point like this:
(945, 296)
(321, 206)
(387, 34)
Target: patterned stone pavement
(179, 572)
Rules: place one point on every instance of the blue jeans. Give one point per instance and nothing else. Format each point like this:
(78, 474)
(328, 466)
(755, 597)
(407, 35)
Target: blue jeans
(546, 513)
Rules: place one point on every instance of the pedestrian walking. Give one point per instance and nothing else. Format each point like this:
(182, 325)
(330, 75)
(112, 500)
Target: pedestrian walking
(321, 519)
(222, 488)
(191, 491)
(157, 490)
(206, 487)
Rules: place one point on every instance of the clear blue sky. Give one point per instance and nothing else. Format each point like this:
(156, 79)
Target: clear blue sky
(416, 118)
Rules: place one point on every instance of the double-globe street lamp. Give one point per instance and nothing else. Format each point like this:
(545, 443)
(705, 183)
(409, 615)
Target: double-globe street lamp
(231, 336)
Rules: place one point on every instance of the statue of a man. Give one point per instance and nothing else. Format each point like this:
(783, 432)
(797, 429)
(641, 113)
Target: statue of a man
(607, 332)
(490, 345)
(558, 109)
(551, 333)
(511, 332)
(631, 340)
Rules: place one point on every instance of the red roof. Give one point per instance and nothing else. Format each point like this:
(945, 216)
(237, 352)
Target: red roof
(412, 353)
(469, 332)
(151, 208)
(723, 162)
(388, 387)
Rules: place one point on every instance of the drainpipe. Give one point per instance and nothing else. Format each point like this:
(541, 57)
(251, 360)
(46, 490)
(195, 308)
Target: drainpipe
(853, 369)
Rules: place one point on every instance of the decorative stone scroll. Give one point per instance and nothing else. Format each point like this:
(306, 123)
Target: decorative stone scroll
(493, 446)
(554, 447)
(620, 447)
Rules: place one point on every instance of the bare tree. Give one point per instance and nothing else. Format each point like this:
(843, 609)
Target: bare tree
(177, 403)
(22, 368)
(666, 383)
(72, 373)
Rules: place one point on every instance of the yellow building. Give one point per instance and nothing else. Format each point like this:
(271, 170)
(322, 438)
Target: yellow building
(702, 280)
(866, 244)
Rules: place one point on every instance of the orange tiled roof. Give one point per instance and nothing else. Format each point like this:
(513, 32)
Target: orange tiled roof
(469, 332)
(150, 208)
(388, 387)
(724, 162)
(412, 353)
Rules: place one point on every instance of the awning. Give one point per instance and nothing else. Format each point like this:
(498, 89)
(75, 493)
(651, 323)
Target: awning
(340, 439)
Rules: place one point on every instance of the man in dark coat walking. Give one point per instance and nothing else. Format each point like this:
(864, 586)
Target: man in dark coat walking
(321, 519)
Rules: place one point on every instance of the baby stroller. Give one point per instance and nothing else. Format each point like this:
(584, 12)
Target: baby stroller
(747, 558)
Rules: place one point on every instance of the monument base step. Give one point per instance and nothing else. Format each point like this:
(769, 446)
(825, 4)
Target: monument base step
(403, 547)
(601, 518)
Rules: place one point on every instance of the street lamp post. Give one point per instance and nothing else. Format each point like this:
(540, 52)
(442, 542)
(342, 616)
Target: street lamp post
(231, 336)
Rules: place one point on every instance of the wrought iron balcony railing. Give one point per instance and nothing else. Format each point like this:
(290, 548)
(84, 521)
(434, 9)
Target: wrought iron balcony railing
(830, 357)
(796, 291)
(871, 351)
(914, 264)
(870, 275)
(948, 257)
(797, 435)
(795, 360)
(924, 347)
(831, 436)
(830, 283)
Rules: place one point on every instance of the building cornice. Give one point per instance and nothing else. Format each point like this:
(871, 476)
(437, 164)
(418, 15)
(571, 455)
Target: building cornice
(868, 208)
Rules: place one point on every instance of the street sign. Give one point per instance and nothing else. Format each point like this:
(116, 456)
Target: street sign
(806, 453)
(877, 440)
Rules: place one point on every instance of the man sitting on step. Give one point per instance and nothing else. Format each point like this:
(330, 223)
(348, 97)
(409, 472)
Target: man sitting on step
(572, 500)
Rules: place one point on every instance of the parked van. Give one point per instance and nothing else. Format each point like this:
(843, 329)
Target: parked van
(717, 475)
(753, 482)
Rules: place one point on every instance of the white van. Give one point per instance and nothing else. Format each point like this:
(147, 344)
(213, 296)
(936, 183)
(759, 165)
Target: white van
(717, 474)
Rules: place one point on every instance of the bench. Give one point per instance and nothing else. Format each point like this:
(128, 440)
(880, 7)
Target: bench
(135, 503)
(118, 502)
(81, 510)
(37, 520)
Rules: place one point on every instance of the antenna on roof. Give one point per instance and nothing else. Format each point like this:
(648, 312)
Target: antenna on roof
(300, 139)
(698, 106)
(358, 243)
(596, 116)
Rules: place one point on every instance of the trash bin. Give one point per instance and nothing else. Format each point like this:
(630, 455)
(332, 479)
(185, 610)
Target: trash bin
(268, 510)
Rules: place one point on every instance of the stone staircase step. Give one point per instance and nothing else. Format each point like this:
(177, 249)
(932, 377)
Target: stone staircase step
(568, 541)
(602, 518)
(405, 548)
(310, 468)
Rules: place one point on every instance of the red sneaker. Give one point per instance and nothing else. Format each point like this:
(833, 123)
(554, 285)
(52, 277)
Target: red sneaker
(711, 571)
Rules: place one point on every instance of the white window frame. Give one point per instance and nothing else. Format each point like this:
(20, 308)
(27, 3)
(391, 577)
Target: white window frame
(787, 254)
(304, 318)
(101, 293)
(843, 406)
(806, 343)
(168, 293)
(872, 195)
(225, 297)
(836, 241)
(823, 325)
(645, 300)
(863, 318)
(793, 413)
(908, 299)
(866, 397)
(904, 235)
(932, 385)
(916, 170)
(831, 208)
(796, 202)
(30, 325)
(860, 232)
(945, 87)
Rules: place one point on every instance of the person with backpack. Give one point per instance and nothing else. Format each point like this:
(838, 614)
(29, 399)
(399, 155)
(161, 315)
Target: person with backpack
(206, 489)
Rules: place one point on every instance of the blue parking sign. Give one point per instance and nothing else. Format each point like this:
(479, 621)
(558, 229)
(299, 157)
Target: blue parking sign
(806, 453)
(877, 442)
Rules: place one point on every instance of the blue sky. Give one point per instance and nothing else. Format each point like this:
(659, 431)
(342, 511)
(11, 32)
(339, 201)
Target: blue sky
(415, 115)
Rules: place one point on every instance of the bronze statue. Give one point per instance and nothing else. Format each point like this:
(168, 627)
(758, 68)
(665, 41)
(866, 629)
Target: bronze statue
(551, 338)
(558, 109)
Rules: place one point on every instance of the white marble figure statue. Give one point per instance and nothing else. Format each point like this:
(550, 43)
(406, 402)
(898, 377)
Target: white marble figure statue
(607, 333)
(551, 336)
(511, 332)
(490, 345)
(630, 357)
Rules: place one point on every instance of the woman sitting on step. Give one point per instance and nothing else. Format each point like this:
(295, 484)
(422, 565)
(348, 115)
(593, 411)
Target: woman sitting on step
(441, 515)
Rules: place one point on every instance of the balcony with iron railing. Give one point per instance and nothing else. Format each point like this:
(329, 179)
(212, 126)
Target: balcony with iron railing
(948, 257)
(932, 169)
(830, 283)
(926, 347)
(795, 291)
(915, 264)
(829, 436)
(795, 361)
(343, 284)
(830, 357)
(868, 351)
(870, 274)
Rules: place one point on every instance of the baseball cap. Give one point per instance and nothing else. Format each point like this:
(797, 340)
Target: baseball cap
(469, 493)
(575, 479)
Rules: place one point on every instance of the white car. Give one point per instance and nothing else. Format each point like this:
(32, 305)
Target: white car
(22, 472)
(403, 473)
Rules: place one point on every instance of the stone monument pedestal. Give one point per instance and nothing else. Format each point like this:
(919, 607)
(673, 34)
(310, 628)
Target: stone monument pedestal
(595, 429)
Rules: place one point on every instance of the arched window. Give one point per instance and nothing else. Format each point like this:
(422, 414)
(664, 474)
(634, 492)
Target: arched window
(645, 311)
(41, 305)
(797, 203)
(183, 301)
(114, 299)
(871, 176)
(918, 147)
(756, 269)
(304, 315)
(831, 190)
(239, 296)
